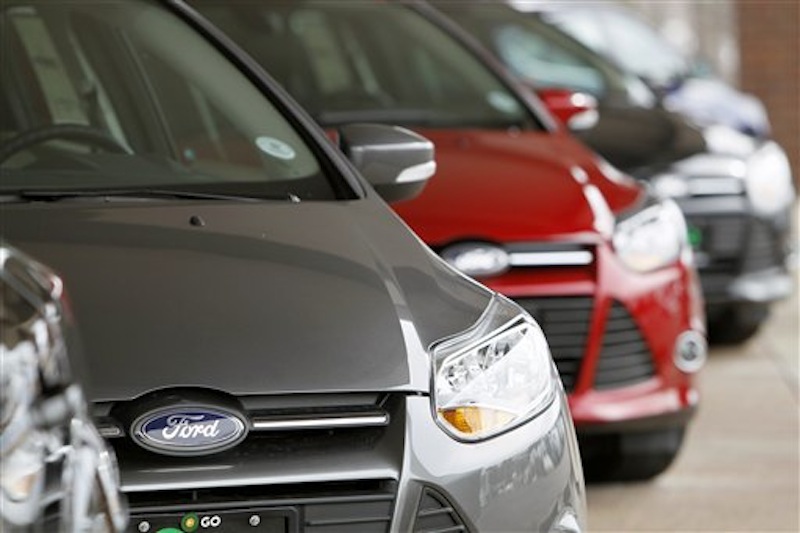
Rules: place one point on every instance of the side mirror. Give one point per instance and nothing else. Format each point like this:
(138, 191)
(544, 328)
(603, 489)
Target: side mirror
(396, 161)
(576, 110)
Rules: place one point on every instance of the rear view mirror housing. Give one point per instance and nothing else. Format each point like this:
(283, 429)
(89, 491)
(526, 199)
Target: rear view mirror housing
(397, 162)
(576, 110)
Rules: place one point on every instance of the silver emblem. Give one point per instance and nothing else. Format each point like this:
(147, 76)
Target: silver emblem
(189, 430)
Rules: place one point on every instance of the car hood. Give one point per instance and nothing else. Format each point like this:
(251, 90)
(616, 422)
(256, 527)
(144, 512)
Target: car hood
(249, 298)
(639, 140)
(506, 185)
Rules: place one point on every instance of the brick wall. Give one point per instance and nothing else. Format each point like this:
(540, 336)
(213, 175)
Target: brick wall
(769, 58)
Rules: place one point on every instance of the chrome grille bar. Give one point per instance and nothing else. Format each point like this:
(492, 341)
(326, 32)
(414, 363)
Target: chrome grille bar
(566, 258)
(293, 423)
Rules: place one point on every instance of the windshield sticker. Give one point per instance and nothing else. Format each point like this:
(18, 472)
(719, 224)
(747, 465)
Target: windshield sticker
(502, 102)
(275, 148)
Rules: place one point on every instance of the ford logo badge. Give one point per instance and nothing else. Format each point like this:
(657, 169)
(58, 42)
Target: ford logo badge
(188, 430)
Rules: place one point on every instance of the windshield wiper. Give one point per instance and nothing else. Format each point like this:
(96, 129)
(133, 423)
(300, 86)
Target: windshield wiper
(45, 195)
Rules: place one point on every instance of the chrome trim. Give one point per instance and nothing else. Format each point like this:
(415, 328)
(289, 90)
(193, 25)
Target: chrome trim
(574, 258)
(691, 351)
(715, 186)
(276, 423)
(420, 172)
(763, 286)
(110, 431)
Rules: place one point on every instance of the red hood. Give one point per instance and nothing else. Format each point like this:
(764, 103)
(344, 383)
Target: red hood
(504, 186)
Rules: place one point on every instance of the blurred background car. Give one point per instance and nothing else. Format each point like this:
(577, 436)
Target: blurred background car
(630, 129)
(56, 473)
(735, 191)
(683, 84)
(518, 204)
(273, 350)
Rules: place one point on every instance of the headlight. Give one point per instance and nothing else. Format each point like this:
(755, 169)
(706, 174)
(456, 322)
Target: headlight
(769, 180)
(477, 259)
(726, 140)
(493, 376)
(652, 238)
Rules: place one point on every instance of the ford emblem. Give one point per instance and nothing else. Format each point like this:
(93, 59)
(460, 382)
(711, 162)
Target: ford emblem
(188, 430)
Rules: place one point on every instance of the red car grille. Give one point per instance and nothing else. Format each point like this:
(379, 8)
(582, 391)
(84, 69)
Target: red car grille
(624, 356)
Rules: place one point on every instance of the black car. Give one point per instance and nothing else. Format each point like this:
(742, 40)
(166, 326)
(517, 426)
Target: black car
(271, 348)
(735, 190)
(56, 472)
(684, 84)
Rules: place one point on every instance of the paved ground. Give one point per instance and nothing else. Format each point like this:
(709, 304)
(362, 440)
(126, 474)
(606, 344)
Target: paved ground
(739, 469)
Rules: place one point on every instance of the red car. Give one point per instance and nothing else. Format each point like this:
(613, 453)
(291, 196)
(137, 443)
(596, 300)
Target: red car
(518, 204)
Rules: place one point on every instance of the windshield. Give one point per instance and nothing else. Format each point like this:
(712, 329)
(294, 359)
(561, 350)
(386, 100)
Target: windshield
(117, 95)
(542, 54)
(631, 42)
(369, 61)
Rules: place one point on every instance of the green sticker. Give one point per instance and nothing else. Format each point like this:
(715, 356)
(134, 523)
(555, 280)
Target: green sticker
(190, 523)
(695, 237)
(169, 530)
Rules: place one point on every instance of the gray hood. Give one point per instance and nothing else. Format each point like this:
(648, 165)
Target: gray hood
(251, 299)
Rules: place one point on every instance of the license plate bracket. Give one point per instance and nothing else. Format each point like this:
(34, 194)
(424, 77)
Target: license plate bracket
(240, 520)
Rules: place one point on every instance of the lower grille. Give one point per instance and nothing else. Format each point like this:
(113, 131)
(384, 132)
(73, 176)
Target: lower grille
(624, 357)
(345, 507)
(735, 244)
(565, 322)
(763, 248)
(721, 237)
(436, 514)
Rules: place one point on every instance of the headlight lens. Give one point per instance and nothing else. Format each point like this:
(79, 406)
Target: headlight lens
(652, 238)
(477, 259)
(493, 376)
(726, 140)
(769, 180)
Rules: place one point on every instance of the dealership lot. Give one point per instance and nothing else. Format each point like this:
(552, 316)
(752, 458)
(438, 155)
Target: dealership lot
(233, 297)
(739, 469)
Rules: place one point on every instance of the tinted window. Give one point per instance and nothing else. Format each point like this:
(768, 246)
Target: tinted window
(121, 95)
(543, 54)
(631, 42)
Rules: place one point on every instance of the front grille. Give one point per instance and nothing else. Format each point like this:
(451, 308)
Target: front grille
(342, 507)
(565, 322)
(737, 244)
(722, 237)
(624, 357)
(437, 515)
(278, 417)
(763, 248)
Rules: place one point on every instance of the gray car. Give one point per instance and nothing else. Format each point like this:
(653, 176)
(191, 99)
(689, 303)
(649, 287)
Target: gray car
(272, 349)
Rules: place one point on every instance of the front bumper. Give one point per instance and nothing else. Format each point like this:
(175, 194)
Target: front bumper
(741, 257)
(405, 476)
(613, 335)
